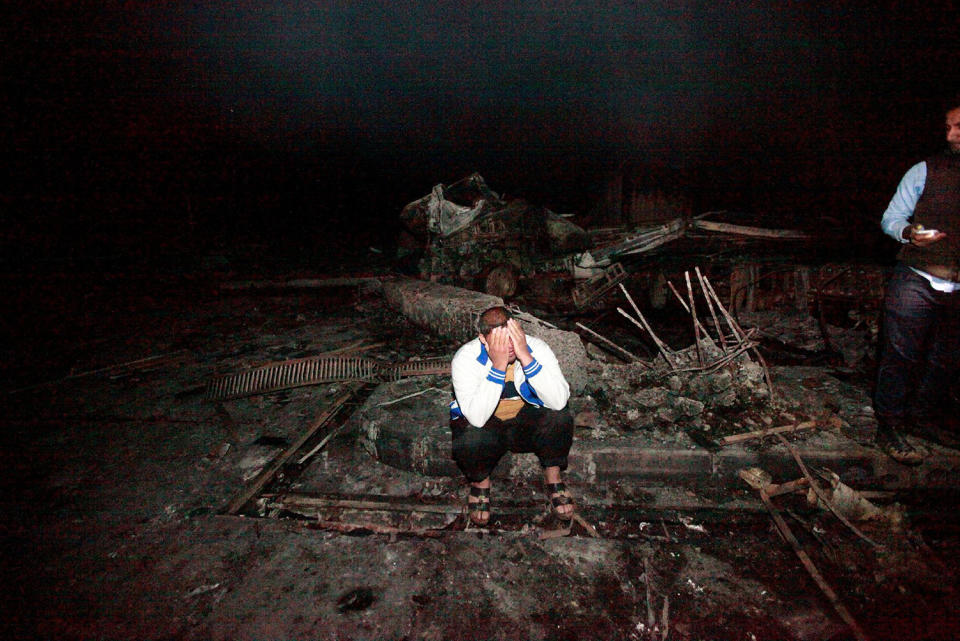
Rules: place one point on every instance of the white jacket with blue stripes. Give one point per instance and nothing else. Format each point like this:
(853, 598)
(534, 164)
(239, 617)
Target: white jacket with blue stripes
(477, 385)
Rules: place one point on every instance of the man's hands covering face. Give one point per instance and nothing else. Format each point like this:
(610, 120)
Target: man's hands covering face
(504, 344)
(500, 348)
(519, 340)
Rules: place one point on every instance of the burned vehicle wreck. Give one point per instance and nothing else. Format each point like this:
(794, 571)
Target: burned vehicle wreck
(466, 234)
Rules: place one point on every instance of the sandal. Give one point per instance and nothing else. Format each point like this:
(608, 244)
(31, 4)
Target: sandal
(478, 507)
(559, 496)
(891, 442)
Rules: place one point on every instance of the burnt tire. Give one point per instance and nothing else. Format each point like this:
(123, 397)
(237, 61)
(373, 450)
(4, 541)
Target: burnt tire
(411, 434)
(414, 434)
(501, 280)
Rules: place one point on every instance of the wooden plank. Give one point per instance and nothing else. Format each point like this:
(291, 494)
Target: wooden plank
(631, 358)
(310, 504)
(755, 232)
(812, 570)
(267, 473)
(295, 502)
(140, 363)
(298, 283)
(747, 436)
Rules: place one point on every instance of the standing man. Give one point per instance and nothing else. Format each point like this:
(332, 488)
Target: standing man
(509, 395)
(920, 351)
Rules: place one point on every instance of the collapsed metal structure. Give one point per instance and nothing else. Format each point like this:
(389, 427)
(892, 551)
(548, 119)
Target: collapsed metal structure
(465, 234)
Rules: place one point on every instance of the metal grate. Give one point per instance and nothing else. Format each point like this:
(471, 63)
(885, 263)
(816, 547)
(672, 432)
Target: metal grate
(425, 367)
(592, 289)
(294, 373)
(315, 370)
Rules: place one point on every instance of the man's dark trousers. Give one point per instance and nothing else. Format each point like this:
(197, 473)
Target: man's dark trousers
(920, 351)
(545, 432)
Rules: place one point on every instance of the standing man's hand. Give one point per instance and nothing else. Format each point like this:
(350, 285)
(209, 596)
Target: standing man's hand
(923, 237)
(519, 340)
(500, 348)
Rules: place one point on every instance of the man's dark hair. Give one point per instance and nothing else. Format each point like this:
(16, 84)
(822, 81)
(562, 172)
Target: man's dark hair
(951, 103)
(492, 318)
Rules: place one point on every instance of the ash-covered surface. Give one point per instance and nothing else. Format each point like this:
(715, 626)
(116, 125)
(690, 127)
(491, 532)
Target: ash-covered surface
(117, 468)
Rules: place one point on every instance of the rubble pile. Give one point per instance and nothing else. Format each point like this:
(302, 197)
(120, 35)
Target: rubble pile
(637, 396)
(854, 344)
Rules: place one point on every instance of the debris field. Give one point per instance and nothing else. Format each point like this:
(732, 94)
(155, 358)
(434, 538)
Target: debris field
(269, 459)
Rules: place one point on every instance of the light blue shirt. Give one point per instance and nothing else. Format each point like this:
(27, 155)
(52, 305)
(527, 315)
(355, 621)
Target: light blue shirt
(900, 211)
(904, 201)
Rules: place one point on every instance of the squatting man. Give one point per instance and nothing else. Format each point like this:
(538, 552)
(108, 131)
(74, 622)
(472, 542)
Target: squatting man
(509, 395)
(921, 310)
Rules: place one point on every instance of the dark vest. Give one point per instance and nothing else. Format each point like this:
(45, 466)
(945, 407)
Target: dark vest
(938, 208)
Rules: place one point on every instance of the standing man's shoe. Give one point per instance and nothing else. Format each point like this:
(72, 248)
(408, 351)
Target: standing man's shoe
(890, 441)
(940, 436)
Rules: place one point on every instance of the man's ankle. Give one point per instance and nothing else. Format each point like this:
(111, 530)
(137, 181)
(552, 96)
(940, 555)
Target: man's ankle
(887, 425)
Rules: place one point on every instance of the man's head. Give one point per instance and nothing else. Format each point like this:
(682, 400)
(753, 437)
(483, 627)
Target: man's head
(495, 333)
(492, 318)
(953, 127)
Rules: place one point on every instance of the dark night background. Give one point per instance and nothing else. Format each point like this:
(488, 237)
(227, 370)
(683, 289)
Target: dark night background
(158, 130)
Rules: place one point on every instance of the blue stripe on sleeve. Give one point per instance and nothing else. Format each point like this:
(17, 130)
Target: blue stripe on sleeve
(533, 368)
(496, 376)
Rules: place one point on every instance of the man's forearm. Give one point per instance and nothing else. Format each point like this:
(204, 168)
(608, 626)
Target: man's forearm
(478, 398)
(896, 218)
(550, 385)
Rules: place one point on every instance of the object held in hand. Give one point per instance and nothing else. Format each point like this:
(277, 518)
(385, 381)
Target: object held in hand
(925, 233)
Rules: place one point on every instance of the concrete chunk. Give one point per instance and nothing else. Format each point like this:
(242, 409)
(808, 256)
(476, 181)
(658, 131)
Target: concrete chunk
(452, 312)
(449, 311)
